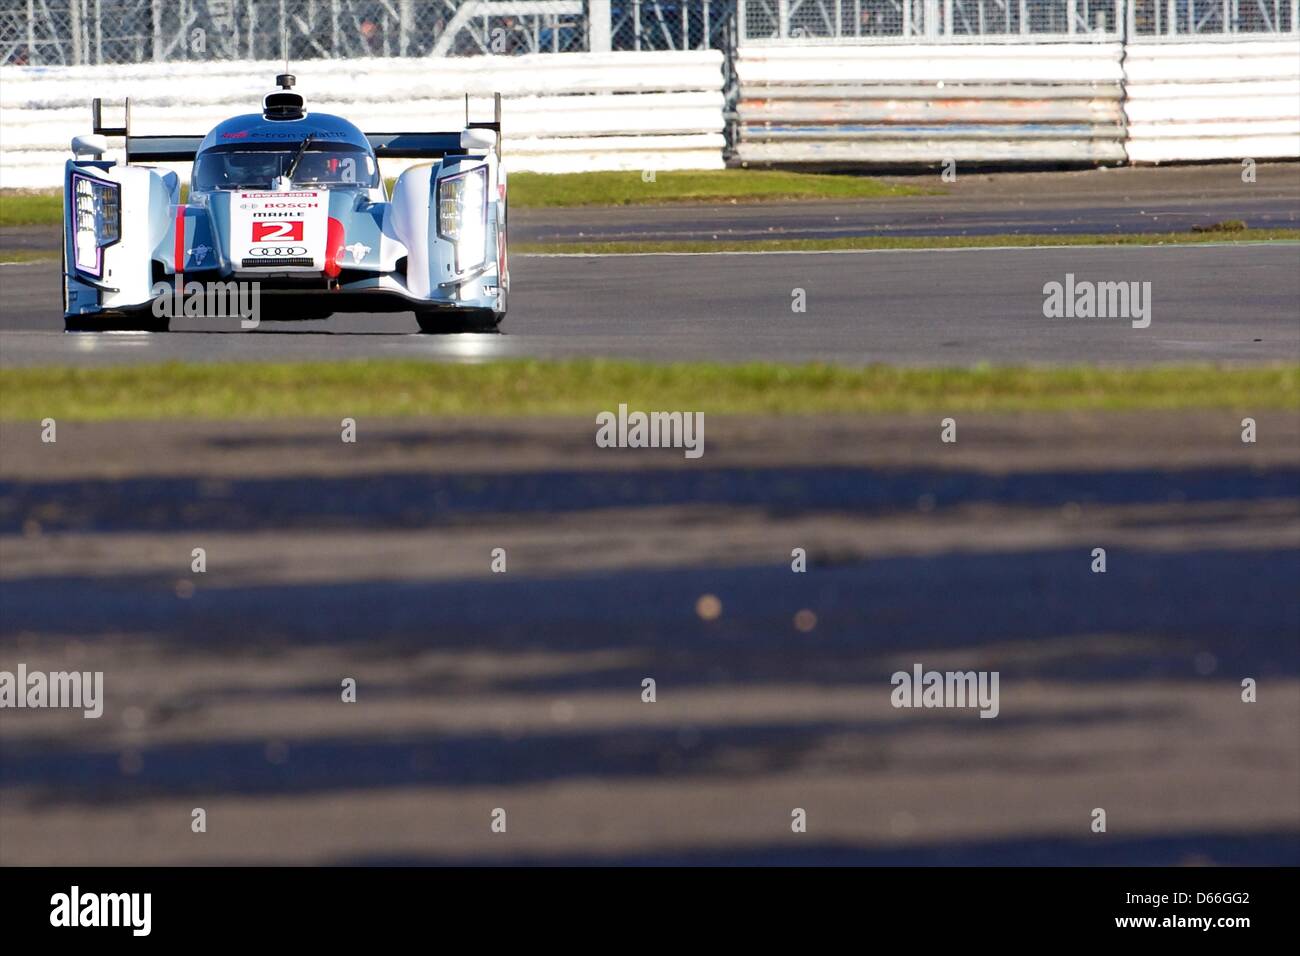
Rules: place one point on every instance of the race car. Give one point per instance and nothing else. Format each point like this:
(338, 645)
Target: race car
(291, 204)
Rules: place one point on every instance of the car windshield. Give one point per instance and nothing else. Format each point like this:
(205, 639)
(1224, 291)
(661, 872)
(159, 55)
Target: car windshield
(249, 167)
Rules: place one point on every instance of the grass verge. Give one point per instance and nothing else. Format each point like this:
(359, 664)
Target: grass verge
(31, 207)
(408, 387)
(867, 243)
(39, 207)
(533, 190)
(15, 256)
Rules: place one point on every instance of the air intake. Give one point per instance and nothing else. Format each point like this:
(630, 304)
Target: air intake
(283, 104)
(270, 263)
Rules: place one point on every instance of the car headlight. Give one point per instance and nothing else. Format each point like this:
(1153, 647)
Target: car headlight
(97, 221)
(462, 216)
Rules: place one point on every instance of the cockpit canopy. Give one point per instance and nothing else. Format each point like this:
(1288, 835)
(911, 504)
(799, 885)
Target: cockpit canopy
(258, 165)
(251, 151)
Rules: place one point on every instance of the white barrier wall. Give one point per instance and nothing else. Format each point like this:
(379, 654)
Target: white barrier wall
(562, 112)
(837, 104)
(1226, 100)
(873, 104)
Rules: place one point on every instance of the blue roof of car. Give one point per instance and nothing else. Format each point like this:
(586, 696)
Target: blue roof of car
(254, 128)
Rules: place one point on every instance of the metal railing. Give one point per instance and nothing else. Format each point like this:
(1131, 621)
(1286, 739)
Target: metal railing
(76, 32)
(1211, 18)
(795, 21)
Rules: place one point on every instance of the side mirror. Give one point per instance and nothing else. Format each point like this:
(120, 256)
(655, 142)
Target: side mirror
(478, 139)
(92, 145)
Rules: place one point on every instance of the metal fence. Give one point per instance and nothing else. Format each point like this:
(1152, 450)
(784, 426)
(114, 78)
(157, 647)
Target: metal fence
(74, 32)
(793, 21)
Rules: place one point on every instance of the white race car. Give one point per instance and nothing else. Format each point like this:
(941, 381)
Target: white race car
(292, 201)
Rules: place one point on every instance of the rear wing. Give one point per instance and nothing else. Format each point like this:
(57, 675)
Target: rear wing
(145, 149)
(178, 149)
(432, 145)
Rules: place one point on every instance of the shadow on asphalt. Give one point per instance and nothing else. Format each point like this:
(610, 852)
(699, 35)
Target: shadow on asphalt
(1171, 605)
(1171, 616)
(406, 500)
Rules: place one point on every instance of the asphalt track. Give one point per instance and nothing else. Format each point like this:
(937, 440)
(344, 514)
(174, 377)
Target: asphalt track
(1127, 200)
(951, 307)
(885, 218)
(522, 690)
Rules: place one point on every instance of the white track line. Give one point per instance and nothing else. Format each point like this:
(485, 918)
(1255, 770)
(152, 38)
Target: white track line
(861, 252)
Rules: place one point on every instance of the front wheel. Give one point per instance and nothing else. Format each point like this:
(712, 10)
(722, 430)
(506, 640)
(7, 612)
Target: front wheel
(452, 321)
(141, 322)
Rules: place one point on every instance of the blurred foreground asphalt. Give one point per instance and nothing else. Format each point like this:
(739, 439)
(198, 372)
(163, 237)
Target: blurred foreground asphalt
(522, 690)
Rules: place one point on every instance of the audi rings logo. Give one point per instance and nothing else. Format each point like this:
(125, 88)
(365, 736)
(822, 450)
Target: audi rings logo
(264, 252)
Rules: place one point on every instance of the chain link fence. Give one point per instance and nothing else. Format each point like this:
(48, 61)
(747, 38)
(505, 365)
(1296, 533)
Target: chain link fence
(1206, 18)
(792, 21)
(924, 20)
(76, 32)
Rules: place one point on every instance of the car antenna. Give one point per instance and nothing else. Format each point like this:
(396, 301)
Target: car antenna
(286, 79)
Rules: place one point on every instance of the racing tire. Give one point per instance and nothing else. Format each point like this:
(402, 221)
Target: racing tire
(141, 322)
(453, 321)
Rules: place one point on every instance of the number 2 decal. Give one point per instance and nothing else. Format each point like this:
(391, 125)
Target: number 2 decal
(277, 231)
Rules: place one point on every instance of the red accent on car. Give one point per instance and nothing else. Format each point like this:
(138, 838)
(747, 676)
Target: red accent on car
(334, 240)
(179, 248)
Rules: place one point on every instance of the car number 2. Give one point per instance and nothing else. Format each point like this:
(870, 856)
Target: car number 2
(277, 231)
